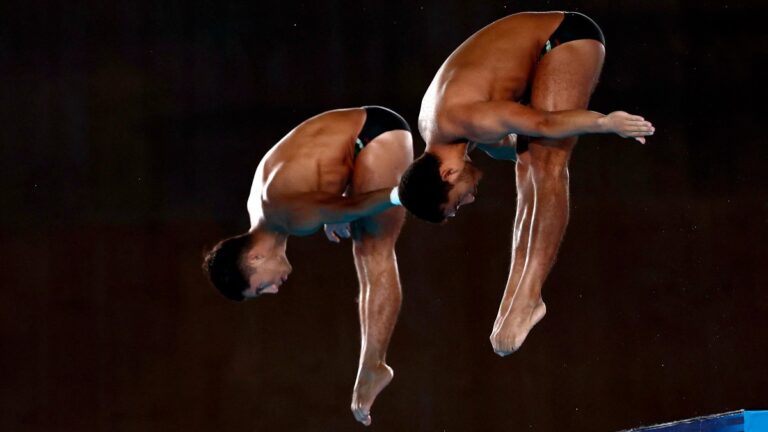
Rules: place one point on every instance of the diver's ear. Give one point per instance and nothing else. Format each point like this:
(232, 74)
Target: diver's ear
(447, 172)
(253, 255)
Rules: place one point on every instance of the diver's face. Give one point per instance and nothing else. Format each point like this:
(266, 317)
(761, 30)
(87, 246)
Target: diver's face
(464, 181)
(266, 274)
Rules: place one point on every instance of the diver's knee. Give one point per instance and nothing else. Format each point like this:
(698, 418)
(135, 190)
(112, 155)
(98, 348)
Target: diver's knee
(374, 247)
(549, 166)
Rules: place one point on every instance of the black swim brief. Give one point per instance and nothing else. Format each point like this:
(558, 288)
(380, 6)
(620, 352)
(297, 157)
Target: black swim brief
(378, 120)
(574, 26)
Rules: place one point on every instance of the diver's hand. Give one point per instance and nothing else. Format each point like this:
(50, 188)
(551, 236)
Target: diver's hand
(505, 149)
(336, 232)
(627, 125)
(509, 141)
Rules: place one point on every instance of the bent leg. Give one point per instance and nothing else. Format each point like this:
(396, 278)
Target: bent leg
(378, 166)
(564, 79)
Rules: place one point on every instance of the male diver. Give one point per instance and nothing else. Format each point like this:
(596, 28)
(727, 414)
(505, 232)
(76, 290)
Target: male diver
(337, 169)
(526, 75)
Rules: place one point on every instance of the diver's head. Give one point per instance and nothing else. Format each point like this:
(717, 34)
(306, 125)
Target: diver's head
(433, 188)
(246, 266)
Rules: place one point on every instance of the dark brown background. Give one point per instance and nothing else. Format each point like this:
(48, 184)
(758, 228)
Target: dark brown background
(128, 139)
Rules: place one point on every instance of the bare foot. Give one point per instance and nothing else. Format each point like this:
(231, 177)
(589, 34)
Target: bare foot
(506, 300)
(513, 329)
(370, 382)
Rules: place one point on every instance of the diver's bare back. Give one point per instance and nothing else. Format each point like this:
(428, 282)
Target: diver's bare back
(316, 156)
(496, 63)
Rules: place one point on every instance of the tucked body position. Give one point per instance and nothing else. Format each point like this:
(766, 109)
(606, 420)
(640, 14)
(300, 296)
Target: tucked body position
(337, 170)
(518, 90)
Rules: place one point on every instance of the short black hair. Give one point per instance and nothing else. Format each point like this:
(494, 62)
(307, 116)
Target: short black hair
(422, 190)
(222, 265)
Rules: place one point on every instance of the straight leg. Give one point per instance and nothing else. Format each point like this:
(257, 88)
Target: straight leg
(378, 166)
(564, 79)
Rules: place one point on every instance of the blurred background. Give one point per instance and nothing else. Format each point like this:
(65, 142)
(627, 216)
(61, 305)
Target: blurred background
(129, 135)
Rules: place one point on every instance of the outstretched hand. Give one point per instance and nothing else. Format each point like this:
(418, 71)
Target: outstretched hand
(336, 232)
(627, 125)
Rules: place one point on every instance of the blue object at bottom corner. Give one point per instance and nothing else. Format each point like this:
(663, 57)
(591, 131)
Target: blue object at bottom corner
(735, 421)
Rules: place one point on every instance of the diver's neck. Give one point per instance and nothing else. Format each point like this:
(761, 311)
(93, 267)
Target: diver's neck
(448, 151)
(268, 237)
